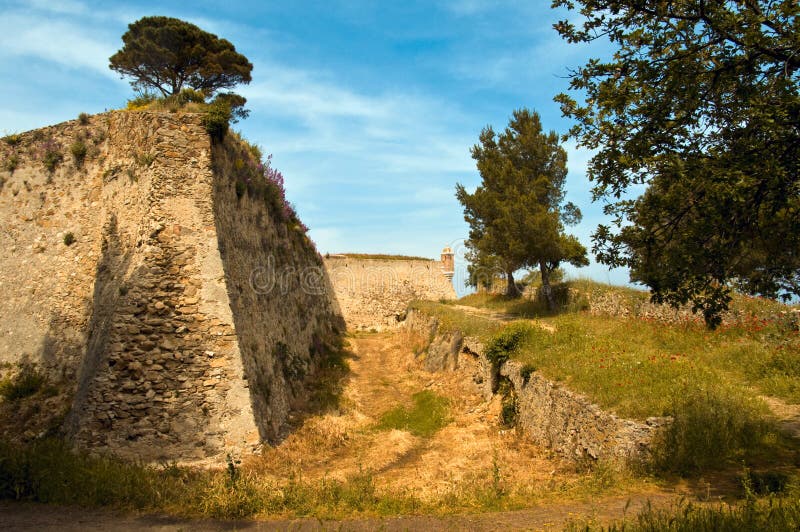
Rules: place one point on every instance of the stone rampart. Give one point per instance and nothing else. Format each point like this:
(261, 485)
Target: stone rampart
(373, 293)
(152, 316)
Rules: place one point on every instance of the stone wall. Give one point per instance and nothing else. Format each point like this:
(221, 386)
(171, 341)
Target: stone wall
(151, 316)
(547, 412)
(374, 293)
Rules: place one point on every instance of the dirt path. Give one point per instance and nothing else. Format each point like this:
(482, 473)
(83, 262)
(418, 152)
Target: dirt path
(787, 415)
(502, 316)
(30, 516)
(384, 374)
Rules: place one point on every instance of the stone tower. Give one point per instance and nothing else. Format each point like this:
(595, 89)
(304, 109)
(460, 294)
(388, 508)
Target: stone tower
(448, 263)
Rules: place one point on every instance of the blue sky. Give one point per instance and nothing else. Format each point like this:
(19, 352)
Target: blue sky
(369, 108)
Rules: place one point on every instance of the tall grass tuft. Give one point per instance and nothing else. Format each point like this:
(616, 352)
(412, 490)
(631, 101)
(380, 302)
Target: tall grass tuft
(710, 427)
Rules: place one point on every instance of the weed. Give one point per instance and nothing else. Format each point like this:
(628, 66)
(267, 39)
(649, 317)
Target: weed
(504, 343)
(753, 515)
(526, 371)
(27, 381)
(111, 173)
(763, 482)
(69, 238)
(145, 159)
(233, 469)
(509, 410)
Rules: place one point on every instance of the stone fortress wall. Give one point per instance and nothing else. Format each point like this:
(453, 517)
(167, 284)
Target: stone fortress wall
(151, 316)
(374, 292)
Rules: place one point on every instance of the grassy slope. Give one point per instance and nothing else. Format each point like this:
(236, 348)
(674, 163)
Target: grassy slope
(636, 366)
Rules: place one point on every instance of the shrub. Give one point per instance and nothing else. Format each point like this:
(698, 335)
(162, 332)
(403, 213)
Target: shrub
(141, 101)
(217, 120)
(83, 119)
(25, 383)
(13, 139)
(78, 150)
(51, 155)
(69, 239)
(709, 427)
(188, 95)
(12, 162)
(502, 344)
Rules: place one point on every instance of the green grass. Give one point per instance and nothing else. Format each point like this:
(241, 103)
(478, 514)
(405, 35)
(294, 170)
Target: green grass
(47, 471)
(639, 367)
(635, 367)
(428, 415)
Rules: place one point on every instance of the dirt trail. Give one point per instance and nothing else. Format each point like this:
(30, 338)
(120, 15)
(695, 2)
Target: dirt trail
(502, 316)
(383, 375)
(31, 516)
(787, 415)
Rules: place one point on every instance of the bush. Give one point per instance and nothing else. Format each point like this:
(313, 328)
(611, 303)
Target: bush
(25, 383)
(83, 119)
(13, 139)
(502, 344)
(12, 162)
(217, 120)
(78, 150)
(709, 427)
(141, 101)
(51, 156)
(69, 239)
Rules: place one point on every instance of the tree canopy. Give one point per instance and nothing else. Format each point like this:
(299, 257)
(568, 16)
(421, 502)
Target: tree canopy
(517, 214)
(700, 104)
(167, 54)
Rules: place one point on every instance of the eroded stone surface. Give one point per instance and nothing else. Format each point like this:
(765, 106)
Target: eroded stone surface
(150, 316)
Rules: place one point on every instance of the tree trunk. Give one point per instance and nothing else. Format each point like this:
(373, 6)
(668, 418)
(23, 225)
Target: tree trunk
(547, 291)
(511, 288)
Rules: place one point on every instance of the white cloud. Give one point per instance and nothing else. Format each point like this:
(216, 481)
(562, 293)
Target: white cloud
(393, 132)
(57, 41)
